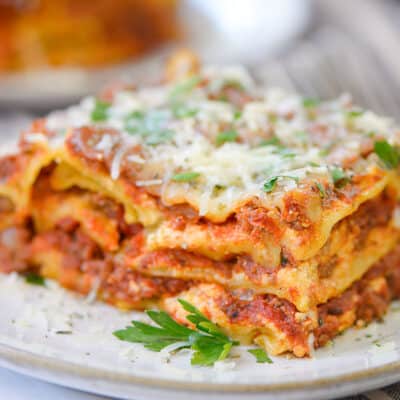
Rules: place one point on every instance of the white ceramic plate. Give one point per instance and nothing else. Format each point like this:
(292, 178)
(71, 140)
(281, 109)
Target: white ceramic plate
(239, 31)
(91, 359)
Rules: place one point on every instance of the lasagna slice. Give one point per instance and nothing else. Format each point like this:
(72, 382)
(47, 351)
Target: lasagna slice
(276, 216)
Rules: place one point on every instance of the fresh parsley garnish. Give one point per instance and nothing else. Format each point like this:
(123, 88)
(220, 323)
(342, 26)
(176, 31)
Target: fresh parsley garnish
(321, 189)
(185, 87)
(151, 126)
(100, 111)
(183, 111)
(208, 342)
(35, 279)
(159, 137)
(260, 355)
(185, 176)
(270, 184)
(274, 141)
(354, 113)
(339, 177)
(226, 136)
(237, 115)
(303, 136)
(310, 102)
(387, 153)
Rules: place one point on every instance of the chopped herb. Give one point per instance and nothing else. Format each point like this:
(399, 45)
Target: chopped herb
(274, 141)
(137, 114)
(233, 83)
(303, 136)
(285, 152)
(260, 355)
(100, 111)
(313, 164)
(354, 113)
(310, 102)
(208, 342)
(320, 321)
(63, 332)
(151, 126)
(377, 343)
(227, 136)
(185, 176)
(387, 153)
(223, 97)
(159, 137)
(185, 87)
(182, 111)
(339, 177)
(270, 184)
(237, 115)
(35, 279)
(321, 189)
(368, 335)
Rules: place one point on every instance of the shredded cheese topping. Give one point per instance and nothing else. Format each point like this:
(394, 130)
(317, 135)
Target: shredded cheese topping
(229, 137)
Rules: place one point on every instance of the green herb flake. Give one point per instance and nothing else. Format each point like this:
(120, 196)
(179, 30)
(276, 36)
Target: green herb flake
(354, 113)
(270, 184)
(339, 177)
(303, 136)
(159, 137)
(274, 141)
(261, 356)
(100, 111)
(234, 84)
(310, 102)
(237, 115)
(387, 153)
(321, 189)
(185, 87)
(226, 136)
(377, 343)
(35, 279)
(185, 176)
(182, 111)
(208, 342)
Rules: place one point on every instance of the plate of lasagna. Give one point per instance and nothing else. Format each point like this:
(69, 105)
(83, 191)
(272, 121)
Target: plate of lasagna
(257, 229)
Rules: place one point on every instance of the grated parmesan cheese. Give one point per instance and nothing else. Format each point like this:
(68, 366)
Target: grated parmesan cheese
(179, 135)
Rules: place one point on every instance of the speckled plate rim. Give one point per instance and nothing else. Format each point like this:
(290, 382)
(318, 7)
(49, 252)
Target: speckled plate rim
(81, 377)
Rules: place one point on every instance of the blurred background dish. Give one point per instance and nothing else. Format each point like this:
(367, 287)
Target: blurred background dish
(55, 51)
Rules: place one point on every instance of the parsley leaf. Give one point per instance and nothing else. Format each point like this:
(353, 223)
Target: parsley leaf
(208, 342)
(321, 189)
(226, 136)
(185, 176)
(35, 279)
(100, 111)
(185, 87)
(260, 355)
(151, 126)
(182, 111)
(270, 184)
(237, 115)
(339, 177)
(354, 113)
(310, 102)
(274, 141)
(387, 153)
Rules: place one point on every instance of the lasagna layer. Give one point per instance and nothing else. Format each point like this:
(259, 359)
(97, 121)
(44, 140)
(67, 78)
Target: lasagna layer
(361, 238)
(68, 255)
(273, 214)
